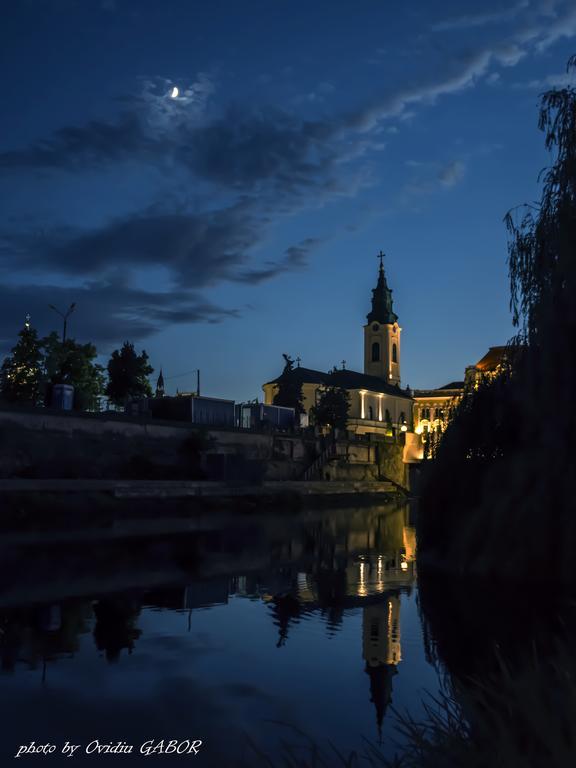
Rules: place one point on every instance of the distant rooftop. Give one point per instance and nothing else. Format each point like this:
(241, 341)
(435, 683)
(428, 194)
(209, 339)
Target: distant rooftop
(492, 359)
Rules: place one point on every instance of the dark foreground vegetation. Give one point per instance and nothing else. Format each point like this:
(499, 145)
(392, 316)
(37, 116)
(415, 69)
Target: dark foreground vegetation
(499, 497)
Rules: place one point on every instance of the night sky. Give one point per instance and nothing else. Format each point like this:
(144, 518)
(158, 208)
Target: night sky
(242, 219)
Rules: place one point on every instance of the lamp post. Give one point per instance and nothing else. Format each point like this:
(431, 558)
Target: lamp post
(64, 316)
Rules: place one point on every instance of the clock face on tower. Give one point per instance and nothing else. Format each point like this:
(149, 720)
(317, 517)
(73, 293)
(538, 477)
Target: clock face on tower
(375, 327)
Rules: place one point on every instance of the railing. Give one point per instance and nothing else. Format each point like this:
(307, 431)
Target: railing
(319, 462)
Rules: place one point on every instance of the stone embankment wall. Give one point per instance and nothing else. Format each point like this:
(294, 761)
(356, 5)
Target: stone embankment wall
(39, 443)
(44, 444)
(371, 461)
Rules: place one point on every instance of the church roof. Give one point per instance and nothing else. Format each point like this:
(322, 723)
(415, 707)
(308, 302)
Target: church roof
(382, 310)
(347, 380)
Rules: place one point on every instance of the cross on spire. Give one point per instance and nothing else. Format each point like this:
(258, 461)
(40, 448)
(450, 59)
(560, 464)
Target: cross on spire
(343, 365)
(298, 361)
(381, 257)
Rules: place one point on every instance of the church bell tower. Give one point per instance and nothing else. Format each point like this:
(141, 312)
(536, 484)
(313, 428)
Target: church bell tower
(382, 334)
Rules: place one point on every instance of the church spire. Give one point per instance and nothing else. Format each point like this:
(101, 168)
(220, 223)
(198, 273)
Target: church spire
(382, 310)
(160, 385)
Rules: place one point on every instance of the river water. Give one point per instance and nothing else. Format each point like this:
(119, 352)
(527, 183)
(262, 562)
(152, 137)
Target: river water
(257, 628)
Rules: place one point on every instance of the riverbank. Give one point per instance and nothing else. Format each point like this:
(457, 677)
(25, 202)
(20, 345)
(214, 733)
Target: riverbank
(72, 505)
(160, 489)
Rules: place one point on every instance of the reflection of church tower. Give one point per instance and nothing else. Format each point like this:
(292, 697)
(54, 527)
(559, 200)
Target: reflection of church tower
(381, 632)
(382, 334)
(381, 651)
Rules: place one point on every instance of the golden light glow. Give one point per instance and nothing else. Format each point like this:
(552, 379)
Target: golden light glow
(362, 590)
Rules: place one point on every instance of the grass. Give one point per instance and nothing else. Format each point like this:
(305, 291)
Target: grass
(524, 718)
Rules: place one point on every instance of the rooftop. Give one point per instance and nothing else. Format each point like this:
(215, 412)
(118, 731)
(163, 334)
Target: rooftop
(346, 379)
(492, 359)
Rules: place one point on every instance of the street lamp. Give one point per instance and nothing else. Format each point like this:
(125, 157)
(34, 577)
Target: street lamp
(64, 316)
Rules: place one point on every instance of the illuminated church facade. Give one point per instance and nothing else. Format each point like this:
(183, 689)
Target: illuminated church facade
(378, 404)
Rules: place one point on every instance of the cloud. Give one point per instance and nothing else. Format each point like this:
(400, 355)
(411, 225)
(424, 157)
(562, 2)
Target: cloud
(559, 80)
(295, 257)
(452, 173)
(77, 148)
(150, 128)
(470, 21)
(197, 249)
(563, 27)
(107, 311)
(430, 178)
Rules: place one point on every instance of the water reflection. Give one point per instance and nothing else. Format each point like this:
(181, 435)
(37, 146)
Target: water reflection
(311, 578)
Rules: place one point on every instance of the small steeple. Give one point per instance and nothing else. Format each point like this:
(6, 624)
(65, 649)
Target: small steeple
(382, 310)
(160, 385)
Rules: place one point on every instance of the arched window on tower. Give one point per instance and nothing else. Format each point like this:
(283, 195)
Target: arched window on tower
(394, 353)
(375, 352)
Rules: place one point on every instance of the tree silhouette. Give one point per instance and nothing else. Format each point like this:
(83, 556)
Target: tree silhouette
(21, 372)
(289, 394)
(72, 363)
(332, 407)
(512, 438)
(128, 375)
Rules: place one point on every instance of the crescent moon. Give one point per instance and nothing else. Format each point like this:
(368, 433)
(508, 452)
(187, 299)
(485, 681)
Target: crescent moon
(174, 93)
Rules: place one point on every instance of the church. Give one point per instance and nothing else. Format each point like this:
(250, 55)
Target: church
(378, 404)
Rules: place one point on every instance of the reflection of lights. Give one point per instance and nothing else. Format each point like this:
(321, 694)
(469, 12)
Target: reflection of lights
(419, 429)
(404, 565)
(362, 591)
(379, 569)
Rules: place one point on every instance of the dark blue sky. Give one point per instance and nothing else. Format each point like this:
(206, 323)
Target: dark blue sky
(242, 219)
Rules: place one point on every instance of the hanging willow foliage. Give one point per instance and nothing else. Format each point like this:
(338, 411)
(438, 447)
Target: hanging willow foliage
(542, 249)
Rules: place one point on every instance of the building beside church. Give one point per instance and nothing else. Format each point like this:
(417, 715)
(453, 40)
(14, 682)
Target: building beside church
(433, 408)
(378, 404)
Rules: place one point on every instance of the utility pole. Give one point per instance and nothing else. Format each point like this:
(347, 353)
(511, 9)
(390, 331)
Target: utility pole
(64, 316)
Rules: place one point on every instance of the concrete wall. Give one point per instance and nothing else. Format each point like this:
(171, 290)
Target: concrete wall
(44, 443)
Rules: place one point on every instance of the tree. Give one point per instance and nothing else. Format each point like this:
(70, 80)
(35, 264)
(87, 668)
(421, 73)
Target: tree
(542, 260)
(289, 392)
(128, 375)
(512, 438)
(332, 407)
(21, 372)
(72, 363)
